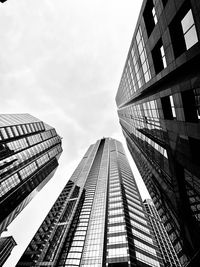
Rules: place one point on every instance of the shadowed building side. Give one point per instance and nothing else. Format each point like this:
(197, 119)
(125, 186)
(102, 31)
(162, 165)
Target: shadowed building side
(6, 246)
(158, 107)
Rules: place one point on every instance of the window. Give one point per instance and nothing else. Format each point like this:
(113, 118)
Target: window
(158, 55)
(142, 236)
(117, 252)
(183, 31)
(147, 248)
(191, 104)
(147, 259)
(154, 15)
(117, 239)
(143, 55)
(117, 219)
(116, 229)
(150, 17)
(197, 101)
(189, 30)
(172, 106)
(195, 148)
(163, 56)
(168, 107)
(115, 212)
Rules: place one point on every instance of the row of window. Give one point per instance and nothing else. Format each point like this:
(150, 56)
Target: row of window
(142, 236)
(18, 130)
(14, 180)
(117, 252)
(145, 141)
(147, 260)
(144, 247)
(30, 140)
(30, 152)
(137, 70)
(8, 184)
(15, 119)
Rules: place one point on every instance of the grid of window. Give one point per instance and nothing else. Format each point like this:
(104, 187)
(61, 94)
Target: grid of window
(144, 247)
(8, 184)
(18, 144)
(24, 155)
(147, 260)
(146, 142)
(117, 252)
(28, 170)
(10, 119)
(116, 229)
(93, 247)
(189, 30)
(144, 116)
(136, 72)
(136, 211)
(142, 236)
(143, 55)
(137, 68)
(18, 130)
(193, 189)
(34, 139)
(55, 151)
(118, 219)
(140, 226)
(42, 160)
(119, 239)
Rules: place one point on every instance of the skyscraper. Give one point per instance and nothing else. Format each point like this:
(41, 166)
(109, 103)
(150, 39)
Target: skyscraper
(98, 219)
(29, 152)
(6, 246)
(158, 107)
(168, 253)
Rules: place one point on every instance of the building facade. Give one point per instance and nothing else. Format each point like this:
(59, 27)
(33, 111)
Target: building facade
(29, 152)
(98, 219)
(168, 253)
(6, 246)
(158, 103)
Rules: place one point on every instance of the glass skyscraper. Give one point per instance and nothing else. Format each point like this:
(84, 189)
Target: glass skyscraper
(158, 103)
(168, 253)
(98, 219)
(29, 152)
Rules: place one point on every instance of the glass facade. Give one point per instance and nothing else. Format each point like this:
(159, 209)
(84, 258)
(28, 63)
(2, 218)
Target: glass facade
(159, 115)
(6, 246)
(168, 253)
(106, 226)
(189, 30)
(29, 152)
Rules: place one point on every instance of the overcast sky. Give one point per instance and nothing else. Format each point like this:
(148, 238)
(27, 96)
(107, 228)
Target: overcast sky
(61, 61)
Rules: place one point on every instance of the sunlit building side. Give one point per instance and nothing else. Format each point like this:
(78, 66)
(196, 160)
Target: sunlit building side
(158, 103)
(98, 219)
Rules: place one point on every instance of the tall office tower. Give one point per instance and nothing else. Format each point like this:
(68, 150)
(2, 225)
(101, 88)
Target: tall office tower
(29, 151)
(6, 245)
(98, 219)
(158, 103)
(168, 253)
